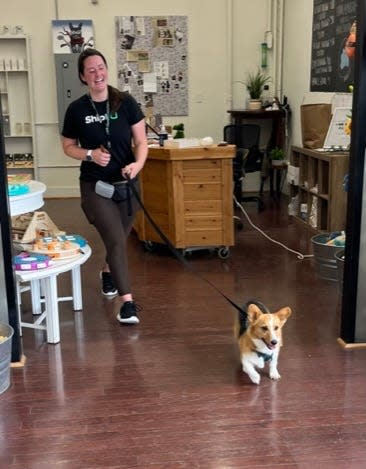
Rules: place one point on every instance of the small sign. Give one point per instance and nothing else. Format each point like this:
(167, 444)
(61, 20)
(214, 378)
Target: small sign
(338, 135)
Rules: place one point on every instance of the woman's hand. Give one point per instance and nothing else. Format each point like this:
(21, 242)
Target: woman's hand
(101, 156)
(131, 170)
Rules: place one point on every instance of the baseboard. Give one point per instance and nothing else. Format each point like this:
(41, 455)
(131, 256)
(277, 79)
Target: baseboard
(19, 364)
(351, 346)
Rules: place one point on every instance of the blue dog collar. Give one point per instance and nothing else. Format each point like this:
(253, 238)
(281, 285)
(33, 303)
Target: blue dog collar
(266, 356)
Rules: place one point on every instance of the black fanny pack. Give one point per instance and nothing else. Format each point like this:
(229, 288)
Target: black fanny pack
(119, 191)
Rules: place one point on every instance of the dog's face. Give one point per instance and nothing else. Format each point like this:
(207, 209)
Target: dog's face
(267, 328)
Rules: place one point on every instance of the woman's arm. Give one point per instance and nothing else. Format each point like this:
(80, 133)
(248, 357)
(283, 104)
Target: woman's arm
(139, 148)
(73, 150)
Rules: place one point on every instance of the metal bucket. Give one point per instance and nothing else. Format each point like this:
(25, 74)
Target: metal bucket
(339, 255)
(5, 355)
(324, 257)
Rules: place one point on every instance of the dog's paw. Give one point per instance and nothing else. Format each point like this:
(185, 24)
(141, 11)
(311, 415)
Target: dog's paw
(274, 374)
(255, 378)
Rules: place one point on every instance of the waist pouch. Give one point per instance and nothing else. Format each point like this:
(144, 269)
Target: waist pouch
(119, 192)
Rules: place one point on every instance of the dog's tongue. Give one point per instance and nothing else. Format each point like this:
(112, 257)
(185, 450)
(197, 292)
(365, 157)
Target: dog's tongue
(270, 346)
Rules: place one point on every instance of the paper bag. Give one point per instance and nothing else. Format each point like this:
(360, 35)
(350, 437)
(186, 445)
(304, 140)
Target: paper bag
(315, 120)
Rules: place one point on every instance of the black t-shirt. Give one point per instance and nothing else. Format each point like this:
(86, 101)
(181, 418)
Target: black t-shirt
(81, 122)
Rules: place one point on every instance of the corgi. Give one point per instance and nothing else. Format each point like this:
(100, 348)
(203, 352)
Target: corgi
(259, 335)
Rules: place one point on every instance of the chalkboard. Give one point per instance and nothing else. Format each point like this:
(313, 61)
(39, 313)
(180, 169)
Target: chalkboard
(331, 67)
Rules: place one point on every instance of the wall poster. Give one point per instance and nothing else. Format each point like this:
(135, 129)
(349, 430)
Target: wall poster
(72, 36)
(332, 61)
(152, 63)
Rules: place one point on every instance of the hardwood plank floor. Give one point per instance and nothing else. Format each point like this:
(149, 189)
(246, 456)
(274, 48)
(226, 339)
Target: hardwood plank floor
(170, 393)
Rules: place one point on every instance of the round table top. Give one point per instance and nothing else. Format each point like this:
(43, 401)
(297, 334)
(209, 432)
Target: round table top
(58, 267)
(28, 202)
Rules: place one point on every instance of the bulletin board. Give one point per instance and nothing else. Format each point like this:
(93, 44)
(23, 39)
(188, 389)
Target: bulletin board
(152, 62)
(332, 69)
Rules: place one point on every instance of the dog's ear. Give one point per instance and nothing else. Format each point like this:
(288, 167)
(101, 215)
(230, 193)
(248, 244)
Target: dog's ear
(253, 312)
(284, 313)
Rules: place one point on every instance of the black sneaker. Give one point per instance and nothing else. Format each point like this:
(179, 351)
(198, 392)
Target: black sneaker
(108, 288)
(128, 313)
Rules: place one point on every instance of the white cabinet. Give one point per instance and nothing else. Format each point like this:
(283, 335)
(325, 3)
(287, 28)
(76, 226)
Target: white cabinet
(17, 103)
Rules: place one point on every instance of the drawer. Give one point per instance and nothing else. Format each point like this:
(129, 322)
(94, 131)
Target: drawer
(202, 175)
(202, 191)
(205, 207)
(203, 223)
(203, 238)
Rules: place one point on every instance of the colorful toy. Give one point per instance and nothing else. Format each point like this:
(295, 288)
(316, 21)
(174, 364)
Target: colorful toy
(337, 238)
(29, 226)
(57, 250)
(17, 189)
(27, 261)
(75, 238)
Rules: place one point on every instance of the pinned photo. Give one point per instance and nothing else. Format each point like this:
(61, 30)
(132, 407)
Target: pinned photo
(127, 41)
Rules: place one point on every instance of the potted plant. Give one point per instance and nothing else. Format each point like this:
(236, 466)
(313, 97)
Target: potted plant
(255, 83)
(277, 156)
(179, 131)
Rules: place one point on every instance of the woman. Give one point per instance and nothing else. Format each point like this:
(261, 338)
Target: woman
(98, 130)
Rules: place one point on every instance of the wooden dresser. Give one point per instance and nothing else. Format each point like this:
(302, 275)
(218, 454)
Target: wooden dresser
(189, 194)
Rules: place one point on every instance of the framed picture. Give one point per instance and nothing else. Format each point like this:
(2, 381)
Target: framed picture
(72, 36)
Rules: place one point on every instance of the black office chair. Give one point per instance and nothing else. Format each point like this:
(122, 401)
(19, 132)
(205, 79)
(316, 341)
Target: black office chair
(248, 158)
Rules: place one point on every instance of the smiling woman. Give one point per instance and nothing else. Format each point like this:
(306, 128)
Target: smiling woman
(98, 130)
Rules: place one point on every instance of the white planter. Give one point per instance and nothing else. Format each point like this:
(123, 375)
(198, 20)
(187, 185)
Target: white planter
(278, 162)
(255, 104)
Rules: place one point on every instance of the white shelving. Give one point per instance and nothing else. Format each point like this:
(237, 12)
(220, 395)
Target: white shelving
(17, 103)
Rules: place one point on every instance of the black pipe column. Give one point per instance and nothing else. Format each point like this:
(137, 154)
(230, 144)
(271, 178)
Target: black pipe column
(7, 254)
(353, 318)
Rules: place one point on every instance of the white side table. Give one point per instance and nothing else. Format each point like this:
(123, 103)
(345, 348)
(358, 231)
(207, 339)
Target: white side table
(48, 277)
(28, 202)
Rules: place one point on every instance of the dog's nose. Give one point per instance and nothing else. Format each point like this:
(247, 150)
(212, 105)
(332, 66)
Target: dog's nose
(273, 342)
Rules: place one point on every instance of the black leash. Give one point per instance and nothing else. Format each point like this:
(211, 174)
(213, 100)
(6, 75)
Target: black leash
(176, 253)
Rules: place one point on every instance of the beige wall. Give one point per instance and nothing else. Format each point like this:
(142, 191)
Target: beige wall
(224, 43)
(297, 62)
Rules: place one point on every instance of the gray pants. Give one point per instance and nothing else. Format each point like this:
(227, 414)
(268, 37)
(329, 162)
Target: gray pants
(114, 223)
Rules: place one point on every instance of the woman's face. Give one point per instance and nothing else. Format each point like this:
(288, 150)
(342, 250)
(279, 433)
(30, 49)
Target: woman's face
(95, 74)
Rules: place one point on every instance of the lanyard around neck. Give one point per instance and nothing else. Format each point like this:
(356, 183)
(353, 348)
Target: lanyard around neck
(107, 119)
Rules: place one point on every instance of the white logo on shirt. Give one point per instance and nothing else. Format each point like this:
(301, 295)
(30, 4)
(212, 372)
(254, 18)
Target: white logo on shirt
(92, 119)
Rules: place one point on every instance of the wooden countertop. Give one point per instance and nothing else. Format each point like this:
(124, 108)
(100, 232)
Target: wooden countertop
(192, 153)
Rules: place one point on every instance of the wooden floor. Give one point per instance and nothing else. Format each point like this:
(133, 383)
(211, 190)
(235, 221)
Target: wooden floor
(170, 392)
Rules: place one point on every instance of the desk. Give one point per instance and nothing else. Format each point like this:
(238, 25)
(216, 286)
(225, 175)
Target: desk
(48, 278)
(277, 137)
(28, 202)
(189, 194)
